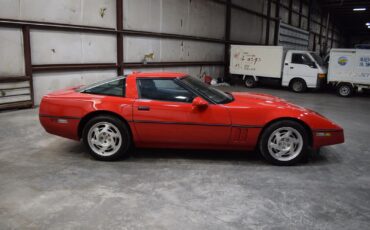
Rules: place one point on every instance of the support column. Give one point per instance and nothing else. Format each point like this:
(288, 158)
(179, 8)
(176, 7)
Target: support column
(300, 13)
(227, 41)
(267, 37)
(119, 10)
(27, 59)
(290, 12)
(277, 22)
(326, 43)
(320, 35)
(309, 15)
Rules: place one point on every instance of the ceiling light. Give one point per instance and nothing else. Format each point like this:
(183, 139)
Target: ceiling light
(368, 24)
(359, 9)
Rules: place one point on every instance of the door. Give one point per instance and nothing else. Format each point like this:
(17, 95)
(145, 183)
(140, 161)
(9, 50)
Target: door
(300, 65)
(164, 115)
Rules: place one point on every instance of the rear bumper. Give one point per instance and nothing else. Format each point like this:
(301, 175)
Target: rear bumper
(327, 137)
(61, 126)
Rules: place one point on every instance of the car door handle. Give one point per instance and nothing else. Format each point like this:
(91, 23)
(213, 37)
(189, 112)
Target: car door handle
(291, 67)
(143, 108)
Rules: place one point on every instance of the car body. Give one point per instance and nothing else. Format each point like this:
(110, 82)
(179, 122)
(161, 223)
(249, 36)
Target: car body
(194, 118)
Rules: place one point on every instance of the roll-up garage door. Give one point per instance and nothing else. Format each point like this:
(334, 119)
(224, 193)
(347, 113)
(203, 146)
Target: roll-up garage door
(293, 38)
(15, 87)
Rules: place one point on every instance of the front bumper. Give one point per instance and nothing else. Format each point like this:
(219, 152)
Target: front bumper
(321, 82)
(327, 137)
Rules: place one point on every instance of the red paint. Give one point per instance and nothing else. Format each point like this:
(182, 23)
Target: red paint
(236, 125)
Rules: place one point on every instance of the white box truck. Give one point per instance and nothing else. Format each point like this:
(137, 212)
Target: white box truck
(296, 69)
(349, 70)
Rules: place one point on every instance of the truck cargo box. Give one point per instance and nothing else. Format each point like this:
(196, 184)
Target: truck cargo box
(349, 65)
(263, 61)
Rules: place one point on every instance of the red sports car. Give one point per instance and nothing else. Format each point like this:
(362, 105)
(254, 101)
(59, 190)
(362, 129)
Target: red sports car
(174, 110)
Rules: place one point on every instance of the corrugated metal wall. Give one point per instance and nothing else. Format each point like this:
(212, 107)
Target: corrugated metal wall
(182, 35)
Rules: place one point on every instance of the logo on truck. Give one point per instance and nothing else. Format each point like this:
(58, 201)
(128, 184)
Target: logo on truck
(364, 61)
(342, 60)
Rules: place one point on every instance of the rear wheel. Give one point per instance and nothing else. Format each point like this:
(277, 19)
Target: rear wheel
(107, 138)
(284, 143)
(250, 82)
(345, 90)
(298, 85)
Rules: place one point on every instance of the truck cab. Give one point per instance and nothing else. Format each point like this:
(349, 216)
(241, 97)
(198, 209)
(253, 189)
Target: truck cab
(297, 69)
(302, 70)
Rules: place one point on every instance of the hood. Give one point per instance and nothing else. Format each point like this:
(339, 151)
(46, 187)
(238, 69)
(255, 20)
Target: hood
(261, 100)
(255, 97)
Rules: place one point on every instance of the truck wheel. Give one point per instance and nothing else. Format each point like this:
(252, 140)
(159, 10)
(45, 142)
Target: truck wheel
(250, 82)
(345, 90)
(298, 86)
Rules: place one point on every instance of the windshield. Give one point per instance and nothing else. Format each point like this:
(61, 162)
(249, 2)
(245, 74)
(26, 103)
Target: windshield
(215, 95)
(318, 59)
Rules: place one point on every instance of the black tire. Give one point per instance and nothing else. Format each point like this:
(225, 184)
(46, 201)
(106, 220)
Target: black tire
(250, 82)
(298, 85)
(345, 90)
(267, 133)
(126, 143)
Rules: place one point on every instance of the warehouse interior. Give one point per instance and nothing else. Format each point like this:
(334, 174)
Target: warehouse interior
(49, 182)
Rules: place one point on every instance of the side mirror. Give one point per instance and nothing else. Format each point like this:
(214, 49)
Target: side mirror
(199, 103)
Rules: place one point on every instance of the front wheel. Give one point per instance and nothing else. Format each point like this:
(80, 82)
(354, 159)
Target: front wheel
(298, 85)
(107, 138)
(284, 143)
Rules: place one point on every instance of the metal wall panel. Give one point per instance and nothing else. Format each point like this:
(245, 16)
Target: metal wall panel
(149, 18)
(246, 27)
(11, 52)
(251, 4)
(65, 11)
(100, 13)
(169, 50)
(206, 19)
(55, 47)
(12, 85)
(196, 17)
(47, 82)
(198, 71)
(293, 38)
(10, 9)
(13, 99)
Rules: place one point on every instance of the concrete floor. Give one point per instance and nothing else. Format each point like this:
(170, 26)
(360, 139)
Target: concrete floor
(47, 182)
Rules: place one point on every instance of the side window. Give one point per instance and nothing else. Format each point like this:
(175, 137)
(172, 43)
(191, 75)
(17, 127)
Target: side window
(301, 59)
(111, 88)
(164, 90)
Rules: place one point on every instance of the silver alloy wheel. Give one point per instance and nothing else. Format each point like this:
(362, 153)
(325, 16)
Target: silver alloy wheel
(297, 86)
(285, 144)
(104, 139)
(344, 90)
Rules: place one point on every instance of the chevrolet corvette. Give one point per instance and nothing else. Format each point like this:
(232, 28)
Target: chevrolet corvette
(174, 110)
